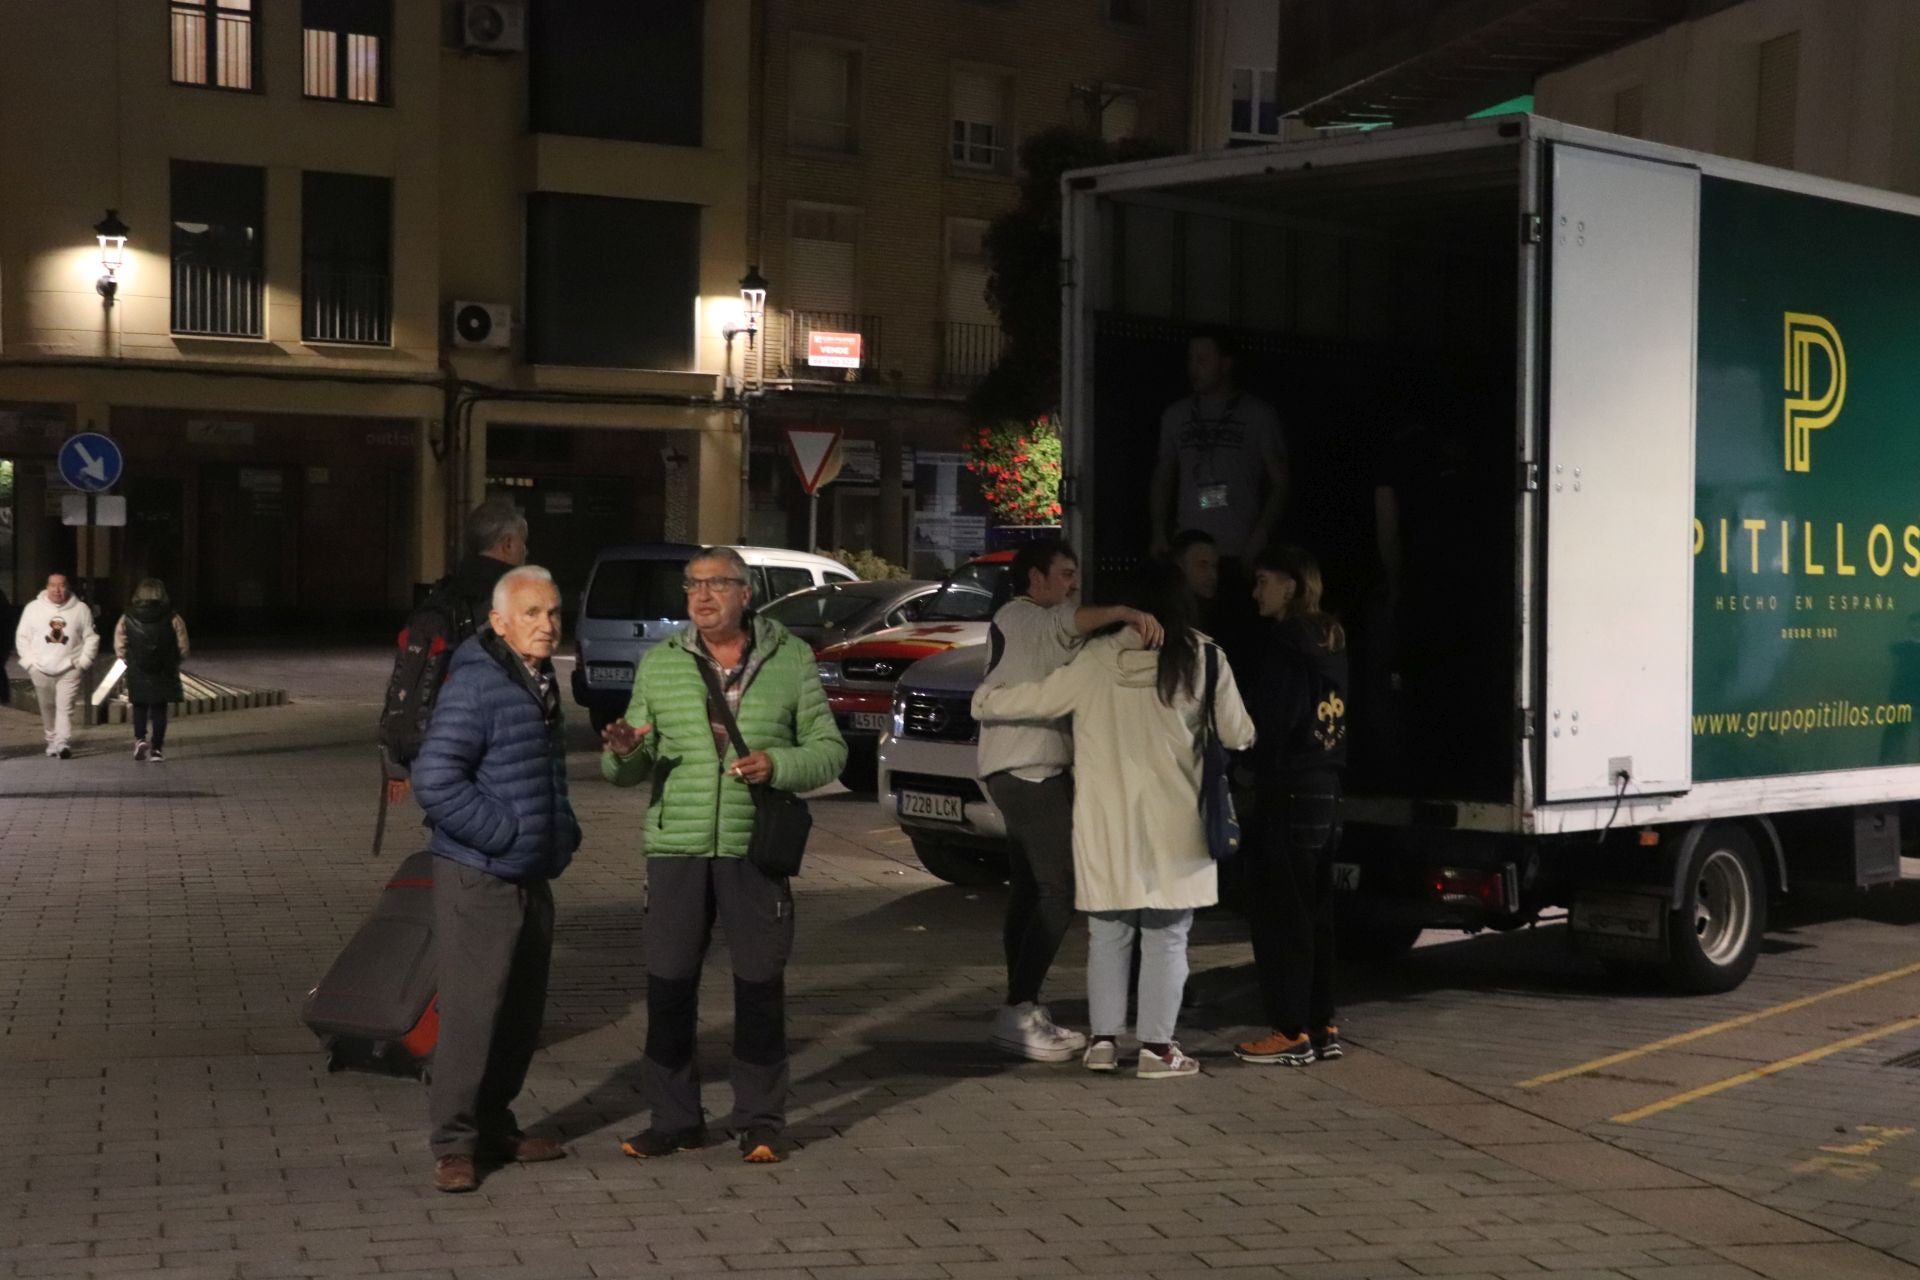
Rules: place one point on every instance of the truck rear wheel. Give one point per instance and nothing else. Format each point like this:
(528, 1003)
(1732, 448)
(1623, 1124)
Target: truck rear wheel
(958, 863)
(1716, 926)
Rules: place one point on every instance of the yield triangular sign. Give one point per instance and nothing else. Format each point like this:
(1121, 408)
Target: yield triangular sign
(816, 455)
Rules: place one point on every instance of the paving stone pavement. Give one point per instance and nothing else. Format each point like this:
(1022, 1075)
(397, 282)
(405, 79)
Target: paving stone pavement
(169, 1116)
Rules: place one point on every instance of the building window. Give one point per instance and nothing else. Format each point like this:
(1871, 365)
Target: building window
(824, 96)
(1256, 104)
(1778, 101)
(346, 250)
(1630, 111)
(346, 48)
(219, 250)
(213, 44)
(618, 69)
(822, 248)
(980, 132)
(611, 284)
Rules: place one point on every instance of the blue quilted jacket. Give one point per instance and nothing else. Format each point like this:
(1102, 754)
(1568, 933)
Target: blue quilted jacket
(492, 773)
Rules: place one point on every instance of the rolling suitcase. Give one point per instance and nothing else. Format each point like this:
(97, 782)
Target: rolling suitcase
(375, 1009)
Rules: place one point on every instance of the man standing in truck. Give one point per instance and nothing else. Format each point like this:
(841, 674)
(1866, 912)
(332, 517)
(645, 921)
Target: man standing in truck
(1222, 465)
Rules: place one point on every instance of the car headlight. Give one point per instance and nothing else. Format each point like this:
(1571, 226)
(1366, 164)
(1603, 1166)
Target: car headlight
(829, 672)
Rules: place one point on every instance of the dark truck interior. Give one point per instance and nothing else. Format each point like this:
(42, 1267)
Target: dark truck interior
(1375, 308)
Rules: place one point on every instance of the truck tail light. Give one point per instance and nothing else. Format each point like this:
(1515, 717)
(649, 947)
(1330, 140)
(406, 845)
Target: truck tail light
(1468, 885)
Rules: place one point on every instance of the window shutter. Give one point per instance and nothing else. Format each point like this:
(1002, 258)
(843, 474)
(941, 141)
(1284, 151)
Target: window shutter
(820, 96)
(978, 98)
(820, 260)
(967, 270)
(1779, 101)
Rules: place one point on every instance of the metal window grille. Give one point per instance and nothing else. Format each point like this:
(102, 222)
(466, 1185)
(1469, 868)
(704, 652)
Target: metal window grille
(218, 258)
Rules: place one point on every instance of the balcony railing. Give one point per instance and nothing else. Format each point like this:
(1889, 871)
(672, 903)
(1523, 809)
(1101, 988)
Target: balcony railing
(215, 299)
(968, 353)
(346, 306)
(800, 325)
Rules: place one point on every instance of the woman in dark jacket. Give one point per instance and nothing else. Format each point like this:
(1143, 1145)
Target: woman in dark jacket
(152, 640)
(1296, 687)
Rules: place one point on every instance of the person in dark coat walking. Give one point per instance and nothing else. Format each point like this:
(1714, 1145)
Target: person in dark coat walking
(492, 777)
(152, 640)
(1295, 681)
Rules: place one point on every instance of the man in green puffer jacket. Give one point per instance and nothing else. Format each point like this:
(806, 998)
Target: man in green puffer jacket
(699, 819)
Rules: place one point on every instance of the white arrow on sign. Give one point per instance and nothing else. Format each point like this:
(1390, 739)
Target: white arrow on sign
(94, 469)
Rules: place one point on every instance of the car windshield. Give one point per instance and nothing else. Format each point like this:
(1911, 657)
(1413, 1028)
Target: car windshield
(625, 589)
(965, 597)
(820, 607)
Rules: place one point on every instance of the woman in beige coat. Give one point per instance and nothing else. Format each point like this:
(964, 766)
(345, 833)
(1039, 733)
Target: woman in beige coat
(1139, 851)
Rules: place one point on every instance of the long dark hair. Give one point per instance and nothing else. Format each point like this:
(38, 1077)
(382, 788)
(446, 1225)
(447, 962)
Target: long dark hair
(1162, 592)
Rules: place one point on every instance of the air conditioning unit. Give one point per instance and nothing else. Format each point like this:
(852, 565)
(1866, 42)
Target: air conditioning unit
(493, 26)
(482, 324)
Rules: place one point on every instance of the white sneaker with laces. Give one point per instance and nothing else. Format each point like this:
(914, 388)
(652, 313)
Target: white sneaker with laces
(1027, 1031)
(1102, 1055)
(1154, 1067)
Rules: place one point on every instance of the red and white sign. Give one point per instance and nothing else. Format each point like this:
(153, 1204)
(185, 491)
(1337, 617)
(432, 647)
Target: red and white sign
(816, 455)
(833, 350)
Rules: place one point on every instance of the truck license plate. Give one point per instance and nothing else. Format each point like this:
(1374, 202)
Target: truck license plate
(932, 808)
(1346, 877)
(874, 720)
(610, 672)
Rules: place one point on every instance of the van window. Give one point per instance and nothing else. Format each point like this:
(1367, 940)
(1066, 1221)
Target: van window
(624, 589)
(784, 581)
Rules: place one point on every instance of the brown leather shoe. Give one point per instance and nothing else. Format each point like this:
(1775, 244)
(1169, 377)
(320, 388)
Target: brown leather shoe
(455, 1174)
(525, 1150)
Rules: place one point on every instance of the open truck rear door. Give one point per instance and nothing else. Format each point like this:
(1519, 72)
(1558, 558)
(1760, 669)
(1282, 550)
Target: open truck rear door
(1618, 476)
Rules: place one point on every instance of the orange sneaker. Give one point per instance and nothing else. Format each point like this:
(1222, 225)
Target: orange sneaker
(1278, 1049)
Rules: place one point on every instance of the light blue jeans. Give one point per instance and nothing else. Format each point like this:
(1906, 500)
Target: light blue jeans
(1162, 939)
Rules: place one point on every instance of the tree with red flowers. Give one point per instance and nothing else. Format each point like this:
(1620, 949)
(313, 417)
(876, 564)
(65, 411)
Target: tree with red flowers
(1018, 467)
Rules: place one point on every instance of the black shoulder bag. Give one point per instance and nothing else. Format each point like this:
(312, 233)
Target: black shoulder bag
(781, 820)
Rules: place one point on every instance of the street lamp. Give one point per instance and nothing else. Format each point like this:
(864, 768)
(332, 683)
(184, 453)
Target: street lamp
(753, 292)
(112, 234)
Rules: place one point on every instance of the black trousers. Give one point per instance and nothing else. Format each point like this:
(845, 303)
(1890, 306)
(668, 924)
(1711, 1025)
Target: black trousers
(157, 712)
(685, 896)
(1290, 899)
(1040, 905)
(493, 941)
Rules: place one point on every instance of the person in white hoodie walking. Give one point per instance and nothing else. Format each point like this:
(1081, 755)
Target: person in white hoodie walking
(57, 645)
(1140, 859)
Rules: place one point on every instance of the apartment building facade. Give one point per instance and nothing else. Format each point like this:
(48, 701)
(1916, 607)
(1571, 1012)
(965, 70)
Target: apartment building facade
(1822, 86)
(309, 187)
(888, 136)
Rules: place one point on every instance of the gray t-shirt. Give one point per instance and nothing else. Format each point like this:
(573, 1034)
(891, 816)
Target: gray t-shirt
(1028, 643)
(1221, 446)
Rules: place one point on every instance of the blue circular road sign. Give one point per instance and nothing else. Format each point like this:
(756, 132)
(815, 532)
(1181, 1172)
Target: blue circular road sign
(90, 462)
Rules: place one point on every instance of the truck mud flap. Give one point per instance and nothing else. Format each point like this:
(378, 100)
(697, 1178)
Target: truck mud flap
(1628, 923)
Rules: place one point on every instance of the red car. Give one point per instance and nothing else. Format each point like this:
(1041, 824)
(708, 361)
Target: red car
(859, 675)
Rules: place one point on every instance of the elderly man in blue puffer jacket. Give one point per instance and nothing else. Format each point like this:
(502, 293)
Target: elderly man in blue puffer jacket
(492, 777)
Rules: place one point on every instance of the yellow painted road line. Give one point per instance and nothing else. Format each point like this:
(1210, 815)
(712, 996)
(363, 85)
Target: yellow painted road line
(1700, 1033)
(1771, 1069)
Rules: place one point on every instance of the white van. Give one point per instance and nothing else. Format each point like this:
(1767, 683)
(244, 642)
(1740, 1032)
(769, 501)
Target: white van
(634, 600)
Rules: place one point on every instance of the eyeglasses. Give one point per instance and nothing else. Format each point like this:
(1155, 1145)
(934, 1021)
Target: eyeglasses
(693, 586)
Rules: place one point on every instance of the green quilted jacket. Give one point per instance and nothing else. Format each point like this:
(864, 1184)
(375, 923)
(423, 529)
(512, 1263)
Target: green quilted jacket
(698, 810)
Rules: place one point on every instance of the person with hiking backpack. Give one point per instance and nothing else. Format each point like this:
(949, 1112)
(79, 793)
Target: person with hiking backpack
(456, 607)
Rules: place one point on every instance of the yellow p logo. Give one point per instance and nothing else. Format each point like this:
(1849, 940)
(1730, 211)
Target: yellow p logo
(1806, 412)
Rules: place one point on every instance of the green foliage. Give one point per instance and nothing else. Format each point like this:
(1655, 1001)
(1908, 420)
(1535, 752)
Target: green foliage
(1023, 249)
(869, 565)
(1018, 466)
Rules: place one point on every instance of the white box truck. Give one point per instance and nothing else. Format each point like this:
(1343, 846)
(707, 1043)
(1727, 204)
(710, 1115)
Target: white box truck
(1611, 452)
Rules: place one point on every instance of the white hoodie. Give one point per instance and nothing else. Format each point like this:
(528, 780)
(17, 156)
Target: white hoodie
(38, 653)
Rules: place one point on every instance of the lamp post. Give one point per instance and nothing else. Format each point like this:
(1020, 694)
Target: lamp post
(112, 235)
(753, 298)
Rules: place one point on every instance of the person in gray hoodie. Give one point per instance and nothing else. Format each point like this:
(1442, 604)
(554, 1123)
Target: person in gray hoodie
(57, 646)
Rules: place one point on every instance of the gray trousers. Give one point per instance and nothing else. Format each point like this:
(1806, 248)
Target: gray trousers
(493, 944)
(685, 896)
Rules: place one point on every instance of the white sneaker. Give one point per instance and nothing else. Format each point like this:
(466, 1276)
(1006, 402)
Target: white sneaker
(1027, 1031)
(1154, 1067)
(1102, 1055)
(141, 750)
